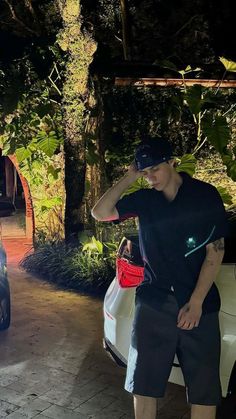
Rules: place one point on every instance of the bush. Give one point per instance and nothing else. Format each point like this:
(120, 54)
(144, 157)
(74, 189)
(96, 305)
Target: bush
(71, 268)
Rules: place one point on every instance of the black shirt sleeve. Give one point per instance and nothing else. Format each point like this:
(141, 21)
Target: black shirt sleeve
(216, 216)
(130, 205)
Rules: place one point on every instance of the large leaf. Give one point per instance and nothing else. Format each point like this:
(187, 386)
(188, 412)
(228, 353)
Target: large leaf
(48, 143)
(94, 246)
(230, 163)
(188, 69)
(22, 153)
(167, 64)
(187, 164)
(9, 146)
(225, 195)
(10, 128)
(53, 171)
(228, 64)
(193, 98)
(48, 204)
(217, 131)
(140, 183)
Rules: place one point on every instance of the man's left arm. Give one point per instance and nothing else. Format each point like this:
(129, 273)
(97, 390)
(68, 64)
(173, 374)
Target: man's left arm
(190, 314)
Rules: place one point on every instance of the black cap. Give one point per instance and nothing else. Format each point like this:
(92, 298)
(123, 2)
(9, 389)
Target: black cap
(152, 153)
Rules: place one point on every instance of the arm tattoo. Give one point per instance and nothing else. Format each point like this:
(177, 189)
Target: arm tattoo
(218, 245)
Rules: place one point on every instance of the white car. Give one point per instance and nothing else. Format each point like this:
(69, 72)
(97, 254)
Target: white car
(119, 307)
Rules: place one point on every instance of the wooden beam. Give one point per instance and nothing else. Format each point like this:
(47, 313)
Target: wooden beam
(152, 81)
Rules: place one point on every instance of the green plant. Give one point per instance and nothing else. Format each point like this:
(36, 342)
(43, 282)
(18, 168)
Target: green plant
(71, 268)
(31, 129)
(212, 121)
(96, 249)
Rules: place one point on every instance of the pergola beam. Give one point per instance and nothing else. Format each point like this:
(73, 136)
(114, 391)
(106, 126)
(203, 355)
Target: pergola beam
(152, 81)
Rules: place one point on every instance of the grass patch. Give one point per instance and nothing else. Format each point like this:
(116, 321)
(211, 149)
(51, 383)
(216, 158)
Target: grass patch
(71, 268)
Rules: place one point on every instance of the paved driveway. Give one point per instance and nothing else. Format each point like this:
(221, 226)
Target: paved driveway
(52, 364)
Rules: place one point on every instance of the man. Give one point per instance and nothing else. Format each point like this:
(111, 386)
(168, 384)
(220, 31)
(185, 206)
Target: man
(182, 225)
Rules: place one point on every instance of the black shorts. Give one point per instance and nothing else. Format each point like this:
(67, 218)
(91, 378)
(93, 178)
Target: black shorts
(155, 341)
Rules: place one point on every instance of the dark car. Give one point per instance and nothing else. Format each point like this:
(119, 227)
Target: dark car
(5, 304)
(6, 210)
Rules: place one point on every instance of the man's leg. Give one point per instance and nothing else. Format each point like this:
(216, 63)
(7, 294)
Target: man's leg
(145, 407)
(203, 412)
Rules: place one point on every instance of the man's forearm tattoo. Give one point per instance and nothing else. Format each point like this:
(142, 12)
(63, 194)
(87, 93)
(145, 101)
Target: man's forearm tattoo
(219, 245)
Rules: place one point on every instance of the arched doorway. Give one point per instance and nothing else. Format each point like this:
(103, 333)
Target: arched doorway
(15, 198)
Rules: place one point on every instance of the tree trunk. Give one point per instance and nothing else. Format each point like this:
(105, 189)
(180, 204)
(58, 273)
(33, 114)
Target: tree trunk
(80, 48)
(96, 173)
(126, 32)
(75, 169)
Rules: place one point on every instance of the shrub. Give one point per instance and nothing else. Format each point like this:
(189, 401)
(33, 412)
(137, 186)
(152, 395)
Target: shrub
(71, 268)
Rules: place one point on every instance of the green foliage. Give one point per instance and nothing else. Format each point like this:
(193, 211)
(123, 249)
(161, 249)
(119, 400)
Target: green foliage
(188, 70)
(191, 118)
(230, 162)
(228, 64)
(187, 164)
(140, 183)
(212, 170)
(31, 128)
(225, 195)
(97, 248)
(27, 132)
(212, 124)
(131, 114)
(93, 247)
(71, 268)
(193, 98)
(34, 137)
(46, 205)
(217, 131)
(48, 142)
(171, 66)
(21, 153)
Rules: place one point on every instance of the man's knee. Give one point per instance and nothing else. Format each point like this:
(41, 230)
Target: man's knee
(203, 412)
(145, 407)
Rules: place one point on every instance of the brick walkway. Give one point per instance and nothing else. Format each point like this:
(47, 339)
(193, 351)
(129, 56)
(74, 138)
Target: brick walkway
(13, 237)
(52, 363)
(16, 248)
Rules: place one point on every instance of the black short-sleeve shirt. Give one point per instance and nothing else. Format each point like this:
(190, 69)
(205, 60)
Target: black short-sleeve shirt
(173, 237)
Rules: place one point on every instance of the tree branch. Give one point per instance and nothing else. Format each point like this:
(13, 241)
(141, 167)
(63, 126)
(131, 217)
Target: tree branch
(16, 19)
(184, 26)
(29, 6)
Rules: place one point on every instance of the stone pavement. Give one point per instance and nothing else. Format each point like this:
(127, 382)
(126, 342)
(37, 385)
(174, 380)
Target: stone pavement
(12, 226)
(52, 364)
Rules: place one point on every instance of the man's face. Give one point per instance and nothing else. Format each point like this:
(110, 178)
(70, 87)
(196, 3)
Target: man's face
(160, 175)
